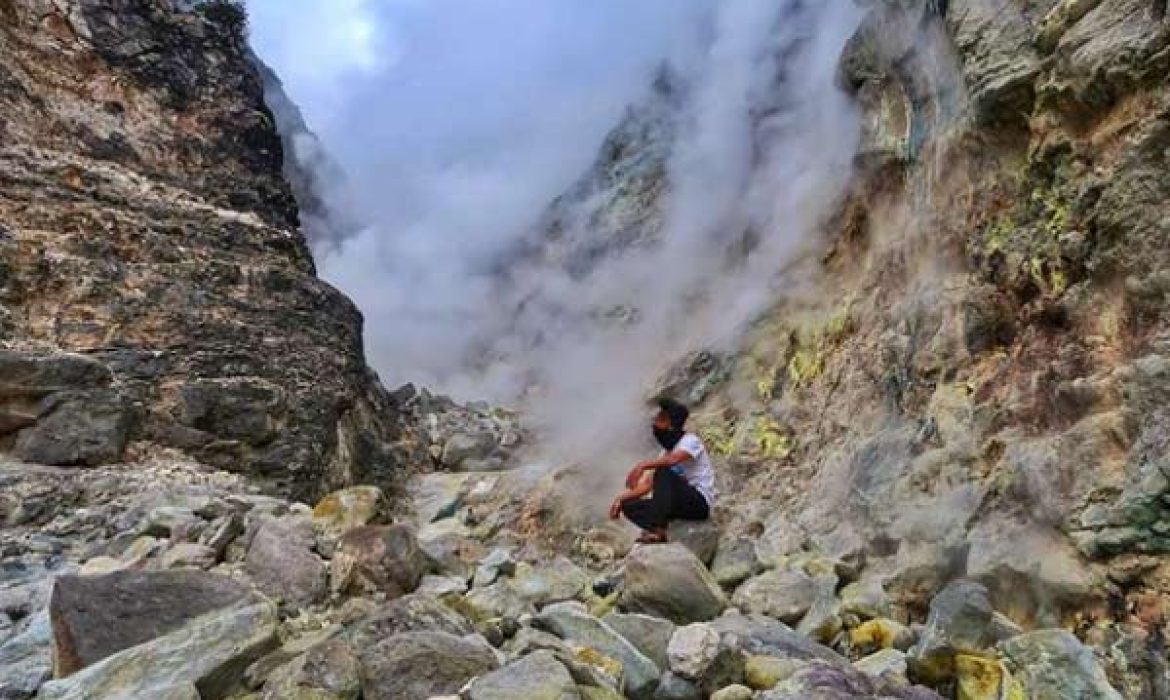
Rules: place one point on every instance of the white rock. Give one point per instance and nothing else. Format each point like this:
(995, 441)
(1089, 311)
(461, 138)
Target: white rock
(692, 649)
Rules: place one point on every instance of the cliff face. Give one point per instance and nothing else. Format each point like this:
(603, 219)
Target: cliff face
(147, 231)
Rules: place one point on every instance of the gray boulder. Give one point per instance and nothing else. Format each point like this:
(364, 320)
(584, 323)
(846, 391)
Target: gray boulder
(282, 564)
(1053, 664)
(571, 623)
(77, 428)
(999, 63)
(672, 687)
(699, 536)
(94, 617)
(735, 561)
(26, 659)
(209, 653)
(960, 621)
(420, 665)
(782, 594)
(668, 581)
(372, 559)
(411, 613)
(328, 671)
(650, 635)
(538, 676)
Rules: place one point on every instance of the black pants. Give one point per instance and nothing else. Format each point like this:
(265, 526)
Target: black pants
(673, 499)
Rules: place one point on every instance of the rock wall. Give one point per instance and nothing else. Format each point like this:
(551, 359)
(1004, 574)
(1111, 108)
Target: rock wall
(155, 286)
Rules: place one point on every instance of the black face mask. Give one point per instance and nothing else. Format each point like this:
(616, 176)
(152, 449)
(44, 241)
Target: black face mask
(668, 438)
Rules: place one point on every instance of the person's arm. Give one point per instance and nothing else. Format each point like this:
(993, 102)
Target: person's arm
(665, 461)
(641, 489)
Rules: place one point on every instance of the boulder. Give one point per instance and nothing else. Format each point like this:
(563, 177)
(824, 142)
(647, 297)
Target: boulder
(699, 536)
(880, 633)
(410, 613)
(420, 665)
(887, 664)
(672, 687)
(384, 560)
(26, 659)
(538, 676)
(77, 428)
(464, 451)
(501, 599)
(733, 692)
(329, 671)
(209, 652)
(735, 561)
(94, 617)
(558, 580)
(979, 678)
(1052, 664)
(692, 650)
(346, 509)
(783, 594)
(763, 636)
(960, 621)
(651, 635)
(281, 562)
(256, 674)
(999, 64)
(439, 586)
(498, 562)
(764, 672)
(668, 581)
(818, 679)
(572, 624)
(189, 555)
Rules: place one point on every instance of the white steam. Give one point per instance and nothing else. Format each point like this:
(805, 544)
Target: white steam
(762, 151)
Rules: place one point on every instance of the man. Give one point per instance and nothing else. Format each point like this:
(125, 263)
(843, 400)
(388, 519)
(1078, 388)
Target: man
(682, 481)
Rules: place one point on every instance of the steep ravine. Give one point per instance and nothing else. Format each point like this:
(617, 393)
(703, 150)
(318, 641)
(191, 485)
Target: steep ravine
(942, 450)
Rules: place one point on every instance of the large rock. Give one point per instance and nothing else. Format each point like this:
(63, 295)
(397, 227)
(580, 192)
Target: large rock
(384, 560)
(668, 581)
(783, 594)
(763, 636)
(329, 671)
(960, 621)
(281, 561)
(572, 624)
(26, 659)
(420, 665)
(538, 676)
(650, 634)
(735, 561)
(209, 653)
(1053, 664)
(96, 616)
(77, 428)
(692, 650)
(411, 613)
(346, 509)
(699, 536)
(1000, 65)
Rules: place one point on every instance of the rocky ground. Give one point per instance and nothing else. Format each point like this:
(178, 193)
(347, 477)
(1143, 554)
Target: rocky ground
(169, 579)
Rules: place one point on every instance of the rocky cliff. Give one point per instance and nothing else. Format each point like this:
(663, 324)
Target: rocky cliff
(156, 287)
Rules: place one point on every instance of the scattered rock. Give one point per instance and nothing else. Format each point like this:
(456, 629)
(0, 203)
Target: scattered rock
(783, 594)
(880, 633)
(699, 536)
(501, 599)
(672, 687)
(26, 659)
(373, 559)
(498, 562)
(572, 624)
(420, 665)
(735, 561)
(668, 581)
(559, 579)
(209, 652)
(651, 635)
(94, 617)
(764, 672)
(887, 664)
(733, 692)
(283, 565)
(959, 622)
(344, 510)
(410, 613)
(188, 555)
(538, 676)
(692, 650)
(439, 586)
(1054, 664)
(329, 671)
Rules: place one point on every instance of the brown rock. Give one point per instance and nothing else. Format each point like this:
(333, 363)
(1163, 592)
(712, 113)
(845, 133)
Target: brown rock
(378, 559)
(282, 564)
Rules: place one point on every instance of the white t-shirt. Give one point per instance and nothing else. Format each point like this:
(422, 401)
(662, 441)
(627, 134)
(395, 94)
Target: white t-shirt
(697, 470)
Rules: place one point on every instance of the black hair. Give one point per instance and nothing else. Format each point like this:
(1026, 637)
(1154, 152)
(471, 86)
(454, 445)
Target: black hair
(677, 412)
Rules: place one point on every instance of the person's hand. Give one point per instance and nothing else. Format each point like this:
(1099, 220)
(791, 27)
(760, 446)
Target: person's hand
(634, 476)
(615, 509)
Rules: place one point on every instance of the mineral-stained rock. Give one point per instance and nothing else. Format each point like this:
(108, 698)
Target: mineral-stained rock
(346, 509)
(668, 581)
(764, 672)
(887, 664)
(328, 671)
(999, 63)
(733, 692)
(419, 665)
(650, 635)
(1053, 664)
(538, 676)
(94, 617)
(209, 652)
(378, 559)
(959, 621)
(576, 627)
(283, 565)
(26, 660)
(757, 634)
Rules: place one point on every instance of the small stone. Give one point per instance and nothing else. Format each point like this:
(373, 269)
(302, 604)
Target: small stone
(672, 687)
(692, 650)
(342, 511)
(735, 561)
(651, 635)
(959, 622)
(980, 678)
(764, 672)
(699, 536)
(887, 664)
(439, 586)
(784, 595)
(538, 676)
(188, 555)
(733, 692)
(881, 633)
